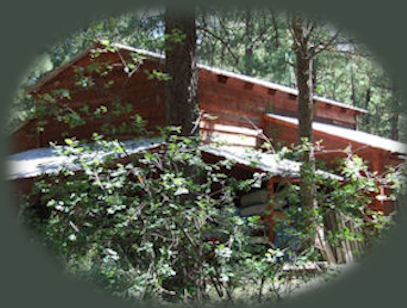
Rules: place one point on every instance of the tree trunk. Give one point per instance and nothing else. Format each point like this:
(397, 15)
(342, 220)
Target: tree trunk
(395, 126)
(353, 88)
(367, 102)
(181, 89)
(248, 54)
(182, 110)
(304, 75)
(305, 113)
(314, 76)
(395, 110)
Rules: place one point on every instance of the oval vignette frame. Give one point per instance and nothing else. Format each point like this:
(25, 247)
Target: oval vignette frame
(33, 282)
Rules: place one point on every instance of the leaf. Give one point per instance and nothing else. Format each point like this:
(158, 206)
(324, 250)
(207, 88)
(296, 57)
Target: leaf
(181, 191)
(72, 237)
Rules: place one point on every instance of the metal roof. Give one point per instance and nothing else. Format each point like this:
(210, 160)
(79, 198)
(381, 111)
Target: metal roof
(266, 162)
(35, 162)
(278, 87)
(258, 81)
(350, 134)
(157, 56)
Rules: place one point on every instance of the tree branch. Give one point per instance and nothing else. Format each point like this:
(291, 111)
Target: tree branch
(221, 40)
(323, 46)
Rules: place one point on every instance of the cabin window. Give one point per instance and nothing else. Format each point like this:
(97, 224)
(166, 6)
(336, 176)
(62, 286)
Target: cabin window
(279, 200)
(254, 203)
(284, 233)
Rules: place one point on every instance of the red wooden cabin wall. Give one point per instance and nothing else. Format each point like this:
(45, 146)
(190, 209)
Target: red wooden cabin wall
(234, 101)
(377, 159)
(144, 94)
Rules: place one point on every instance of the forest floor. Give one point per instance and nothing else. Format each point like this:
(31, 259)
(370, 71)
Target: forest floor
(291, 283)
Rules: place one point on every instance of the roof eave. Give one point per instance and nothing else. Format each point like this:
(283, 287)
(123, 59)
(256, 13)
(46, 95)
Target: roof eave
(153, 55)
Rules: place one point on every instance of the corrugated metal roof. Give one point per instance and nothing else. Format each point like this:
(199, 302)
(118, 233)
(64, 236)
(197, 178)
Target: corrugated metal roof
(350, 134)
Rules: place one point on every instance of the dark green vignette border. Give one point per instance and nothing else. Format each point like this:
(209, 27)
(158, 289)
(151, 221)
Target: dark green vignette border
(29, 278)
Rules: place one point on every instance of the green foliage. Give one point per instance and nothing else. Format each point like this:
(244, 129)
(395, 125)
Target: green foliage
(176, 36)
(142, 222)
(139, 226)
(344, 204)
(254, 42)
(154, 74)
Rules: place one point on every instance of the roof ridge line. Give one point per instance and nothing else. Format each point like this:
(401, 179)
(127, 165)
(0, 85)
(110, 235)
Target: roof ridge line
(255, 80)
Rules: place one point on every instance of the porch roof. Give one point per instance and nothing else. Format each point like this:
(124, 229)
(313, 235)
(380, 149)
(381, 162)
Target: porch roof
(35, 162)
(266, 162)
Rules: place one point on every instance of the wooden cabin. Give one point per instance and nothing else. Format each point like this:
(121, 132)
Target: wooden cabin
(240, 109)
(236, 100)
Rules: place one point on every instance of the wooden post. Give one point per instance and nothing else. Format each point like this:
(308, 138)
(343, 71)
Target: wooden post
(376, 161)
(268, 218)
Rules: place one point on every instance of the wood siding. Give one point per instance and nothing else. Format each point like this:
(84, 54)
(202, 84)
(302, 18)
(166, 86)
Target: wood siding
(233, 101)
